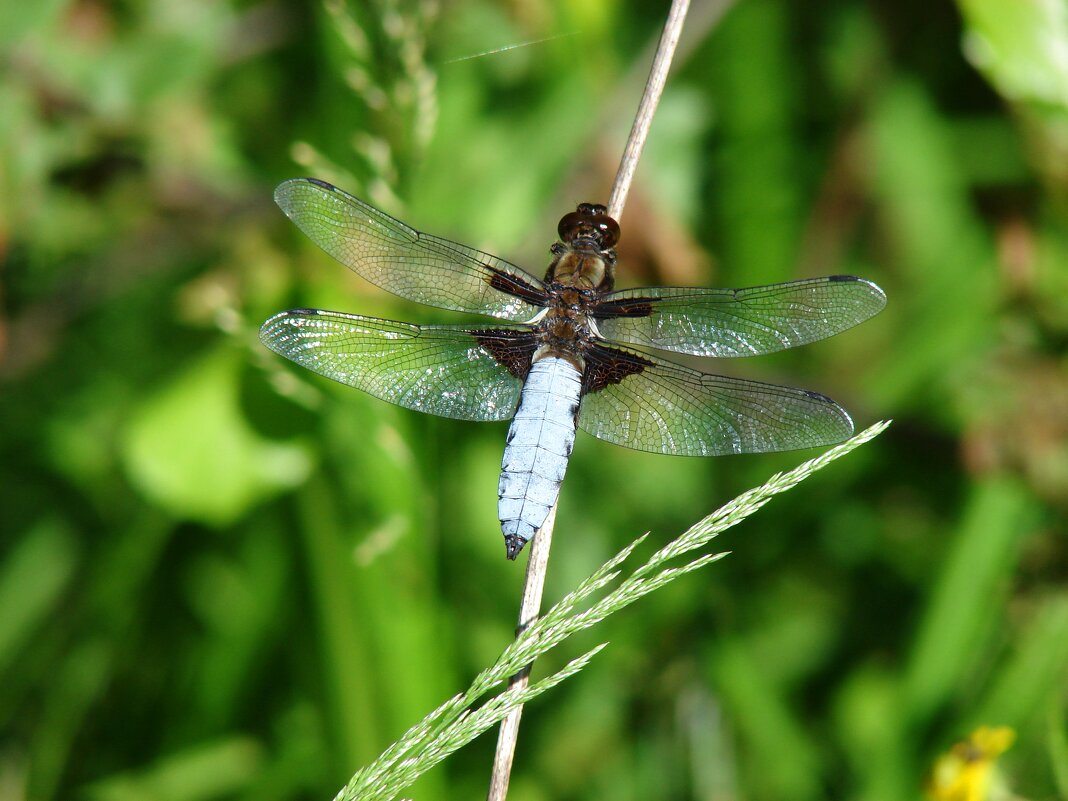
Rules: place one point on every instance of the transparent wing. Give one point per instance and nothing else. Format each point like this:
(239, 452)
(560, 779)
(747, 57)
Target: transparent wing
(738, 322)
(652, 405)
(443, 370)
(401, 260)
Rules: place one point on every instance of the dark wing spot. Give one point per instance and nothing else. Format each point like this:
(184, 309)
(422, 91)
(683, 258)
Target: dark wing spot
(513, 350)
(606, 366)
(631, 307)
(323, 184)
(516, 287)
(817, 396)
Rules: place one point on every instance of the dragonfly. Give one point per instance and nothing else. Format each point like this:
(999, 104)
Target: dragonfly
(564, 352)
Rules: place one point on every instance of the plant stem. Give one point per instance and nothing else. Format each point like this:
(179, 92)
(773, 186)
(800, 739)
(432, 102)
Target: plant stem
(529, 609)
(643, 120)
(538, 560)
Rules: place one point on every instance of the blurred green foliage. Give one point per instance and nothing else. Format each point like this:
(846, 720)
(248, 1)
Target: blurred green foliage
(224, 578)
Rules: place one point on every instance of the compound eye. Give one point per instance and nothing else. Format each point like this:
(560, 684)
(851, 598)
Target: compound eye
(570, 224)
(608, 228)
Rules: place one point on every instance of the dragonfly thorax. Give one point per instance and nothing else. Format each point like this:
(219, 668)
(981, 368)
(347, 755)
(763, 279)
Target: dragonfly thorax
(565, 330)
(582, 269)
(585, 256)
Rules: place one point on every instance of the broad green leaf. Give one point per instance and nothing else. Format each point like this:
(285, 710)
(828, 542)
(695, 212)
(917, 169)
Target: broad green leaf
(1020, 45)
(190, 449)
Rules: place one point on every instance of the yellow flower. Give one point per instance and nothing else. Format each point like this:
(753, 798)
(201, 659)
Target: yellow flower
(965, 773)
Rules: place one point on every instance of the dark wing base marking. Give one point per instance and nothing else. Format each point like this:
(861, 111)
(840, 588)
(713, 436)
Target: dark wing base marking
(514, 285)
(631, 307)
(513, 350)
(450, 371)
(666, 408)
(607, 366)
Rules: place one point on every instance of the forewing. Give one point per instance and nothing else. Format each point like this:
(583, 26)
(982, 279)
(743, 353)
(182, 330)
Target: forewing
(401, 260)
(653, 405)
(464, 373)
(738, 322)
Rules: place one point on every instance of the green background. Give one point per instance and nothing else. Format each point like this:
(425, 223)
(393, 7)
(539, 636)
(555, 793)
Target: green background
(224, 578)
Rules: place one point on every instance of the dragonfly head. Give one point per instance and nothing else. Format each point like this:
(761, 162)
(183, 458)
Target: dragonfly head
(589, 228)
